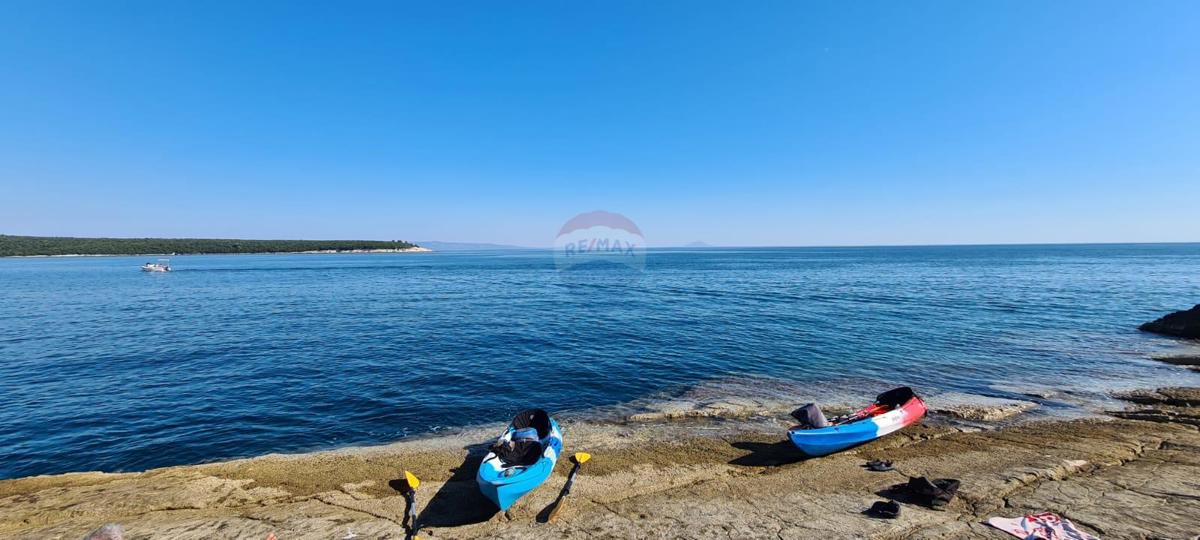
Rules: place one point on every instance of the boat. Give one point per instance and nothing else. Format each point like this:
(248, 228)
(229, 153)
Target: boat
(891, 411)
(163, 265)
(521, 459)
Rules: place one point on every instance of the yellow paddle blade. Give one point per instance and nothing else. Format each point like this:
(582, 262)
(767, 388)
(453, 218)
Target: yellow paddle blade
(582, 457)
(413, 481)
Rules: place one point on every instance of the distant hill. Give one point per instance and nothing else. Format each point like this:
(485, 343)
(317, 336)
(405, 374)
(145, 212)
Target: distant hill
(61, 245)
(697, 244)
(464, 246)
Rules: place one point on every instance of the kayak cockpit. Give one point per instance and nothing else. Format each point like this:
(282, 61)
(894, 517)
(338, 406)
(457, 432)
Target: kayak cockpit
(810, 416)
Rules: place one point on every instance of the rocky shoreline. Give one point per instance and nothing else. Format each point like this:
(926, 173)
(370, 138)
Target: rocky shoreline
(671, 476)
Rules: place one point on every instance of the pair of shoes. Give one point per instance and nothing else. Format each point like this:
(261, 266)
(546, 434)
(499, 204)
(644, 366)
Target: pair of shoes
(884, 509)
(879, 466)
(938, 493)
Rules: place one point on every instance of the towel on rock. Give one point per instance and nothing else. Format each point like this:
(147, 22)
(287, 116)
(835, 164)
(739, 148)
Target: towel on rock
(1044, 526)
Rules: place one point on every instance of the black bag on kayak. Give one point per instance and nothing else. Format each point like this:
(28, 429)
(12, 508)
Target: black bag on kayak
(517, 452)
(524, 446)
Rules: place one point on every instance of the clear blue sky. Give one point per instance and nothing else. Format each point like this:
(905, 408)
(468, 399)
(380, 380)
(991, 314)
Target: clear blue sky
(768, 123)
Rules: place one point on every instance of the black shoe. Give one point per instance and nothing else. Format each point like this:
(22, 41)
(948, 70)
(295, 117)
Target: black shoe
(879, 466)
(937, 493)
(884, 510)
(947, 488)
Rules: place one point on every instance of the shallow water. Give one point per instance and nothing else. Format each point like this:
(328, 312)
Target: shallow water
(108, 368)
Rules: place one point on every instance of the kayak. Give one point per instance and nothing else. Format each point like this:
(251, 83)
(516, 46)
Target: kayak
(891, 411)
(521, 459)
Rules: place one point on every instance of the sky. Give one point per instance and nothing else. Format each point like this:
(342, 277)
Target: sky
(730, 123)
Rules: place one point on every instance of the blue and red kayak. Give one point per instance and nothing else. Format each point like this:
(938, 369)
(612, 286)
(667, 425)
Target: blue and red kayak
(891, 411)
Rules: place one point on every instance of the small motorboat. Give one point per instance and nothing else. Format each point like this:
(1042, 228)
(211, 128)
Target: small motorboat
(891, 411)
(163, 265)
(521, 459)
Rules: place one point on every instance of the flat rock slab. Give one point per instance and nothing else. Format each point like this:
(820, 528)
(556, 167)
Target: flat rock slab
(977, 408)
(673, 479)
(1174, 395)
(1190, 360)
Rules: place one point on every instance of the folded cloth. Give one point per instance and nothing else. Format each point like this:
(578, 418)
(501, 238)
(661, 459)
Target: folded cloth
(884, 509)
(936, 493)
(1044, 526)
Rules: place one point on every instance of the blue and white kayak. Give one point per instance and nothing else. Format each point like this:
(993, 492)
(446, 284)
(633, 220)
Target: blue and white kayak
(891, 411)
(505, 476)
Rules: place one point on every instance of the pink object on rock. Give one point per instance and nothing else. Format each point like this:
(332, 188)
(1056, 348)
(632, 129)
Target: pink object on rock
(1044, 526)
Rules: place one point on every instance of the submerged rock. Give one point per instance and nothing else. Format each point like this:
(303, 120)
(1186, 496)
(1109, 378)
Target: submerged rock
(1190, 361)
(977, 408)
(1184, 324)
(1177, 396)
(1174, 405)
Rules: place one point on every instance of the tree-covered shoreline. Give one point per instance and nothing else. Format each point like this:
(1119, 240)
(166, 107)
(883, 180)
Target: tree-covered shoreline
(14, 246)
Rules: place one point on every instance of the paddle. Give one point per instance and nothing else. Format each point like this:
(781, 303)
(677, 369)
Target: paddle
(411, 483)
(578, 459)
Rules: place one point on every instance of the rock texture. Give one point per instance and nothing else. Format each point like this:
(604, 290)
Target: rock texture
(1169, 405)
(1190, 361)
(1184, 324)
(690, 478)
(979, 408)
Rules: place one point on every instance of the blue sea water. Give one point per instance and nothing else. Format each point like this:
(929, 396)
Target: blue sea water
(104, 367)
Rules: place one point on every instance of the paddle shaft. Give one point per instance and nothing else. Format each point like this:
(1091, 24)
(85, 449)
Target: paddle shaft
(410, 500)
(570, 480)
(566, 490)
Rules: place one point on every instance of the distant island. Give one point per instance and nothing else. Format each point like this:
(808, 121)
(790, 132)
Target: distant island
(30, 246)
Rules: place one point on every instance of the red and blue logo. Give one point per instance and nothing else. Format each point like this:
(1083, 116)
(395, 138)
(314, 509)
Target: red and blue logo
(600, 237)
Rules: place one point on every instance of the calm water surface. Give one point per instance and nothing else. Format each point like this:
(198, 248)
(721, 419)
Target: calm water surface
(104, 367)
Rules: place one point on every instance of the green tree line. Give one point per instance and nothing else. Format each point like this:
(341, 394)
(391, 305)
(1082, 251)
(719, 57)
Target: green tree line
(60, 245)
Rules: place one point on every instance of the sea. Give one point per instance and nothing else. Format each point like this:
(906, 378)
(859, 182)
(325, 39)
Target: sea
(104, 367)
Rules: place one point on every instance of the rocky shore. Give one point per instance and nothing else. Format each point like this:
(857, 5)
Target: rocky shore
(1184, 324)
(1131, 475)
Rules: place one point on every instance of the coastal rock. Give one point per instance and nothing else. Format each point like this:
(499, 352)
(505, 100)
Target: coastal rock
(1118, 479)
(1173, 405)
(1185, 324)
(1190, 361)
(728, 407)
(1176, 396)
(976, 408)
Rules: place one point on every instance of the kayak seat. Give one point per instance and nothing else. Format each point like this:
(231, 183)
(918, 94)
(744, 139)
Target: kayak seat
(895, 398)
(524, 446)
(533, 418)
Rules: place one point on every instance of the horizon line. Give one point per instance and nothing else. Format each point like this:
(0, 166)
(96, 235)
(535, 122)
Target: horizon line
(501, 245)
